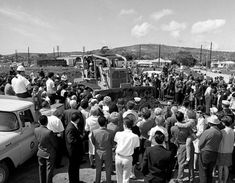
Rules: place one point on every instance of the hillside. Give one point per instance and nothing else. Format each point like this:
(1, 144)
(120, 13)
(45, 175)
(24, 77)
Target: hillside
(143, 51)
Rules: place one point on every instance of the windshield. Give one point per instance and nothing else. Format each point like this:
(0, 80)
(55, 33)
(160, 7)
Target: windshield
(8, 122)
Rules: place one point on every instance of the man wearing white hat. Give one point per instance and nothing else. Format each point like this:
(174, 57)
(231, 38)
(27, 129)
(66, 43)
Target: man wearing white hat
(20, 84)
(209, 145)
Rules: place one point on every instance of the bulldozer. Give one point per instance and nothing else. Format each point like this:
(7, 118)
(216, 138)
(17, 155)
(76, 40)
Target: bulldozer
(108, 74)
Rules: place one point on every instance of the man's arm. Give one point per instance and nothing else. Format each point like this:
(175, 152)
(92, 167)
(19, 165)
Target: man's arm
(71, 137)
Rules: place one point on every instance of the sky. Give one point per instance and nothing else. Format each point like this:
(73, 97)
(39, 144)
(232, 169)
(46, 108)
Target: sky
(41, 25)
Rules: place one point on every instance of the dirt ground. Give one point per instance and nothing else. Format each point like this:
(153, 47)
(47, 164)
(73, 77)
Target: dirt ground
(28, 173)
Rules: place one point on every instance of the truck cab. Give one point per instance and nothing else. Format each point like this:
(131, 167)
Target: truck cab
(17, 141)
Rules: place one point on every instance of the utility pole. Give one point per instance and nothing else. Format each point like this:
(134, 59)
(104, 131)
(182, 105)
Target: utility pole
(201, 55)
(83, 65)
(159, 54)
(210, 54)
(140, 52)
(29, 57)
(58, 50)
(53, 52)
(16, 55)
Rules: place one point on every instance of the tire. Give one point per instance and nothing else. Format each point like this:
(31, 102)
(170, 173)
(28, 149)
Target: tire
(4, 172)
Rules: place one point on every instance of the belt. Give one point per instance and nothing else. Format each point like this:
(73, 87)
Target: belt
(123, 155)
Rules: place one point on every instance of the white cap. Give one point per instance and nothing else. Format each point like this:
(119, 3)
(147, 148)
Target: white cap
(213, 119)
(137, 99)
(20, 68)
(213, 110)
(225, 102)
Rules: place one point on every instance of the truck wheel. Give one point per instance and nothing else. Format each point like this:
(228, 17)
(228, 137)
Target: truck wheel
(4, 172)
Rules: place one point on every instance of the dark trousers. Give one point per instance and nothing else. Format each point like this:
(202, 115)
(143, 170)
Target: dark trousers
(60, 151)
(207, 161)
(46, 167)
(107, 159)
(52, 97)
(23, 95)
(73, 170)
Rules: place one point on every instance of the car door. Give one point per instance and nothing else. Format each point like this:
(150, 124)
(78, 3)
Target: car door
(28, 140)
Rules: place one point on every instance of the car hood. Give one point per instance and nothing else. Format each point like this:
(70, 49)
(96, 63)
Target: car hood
(6, 139)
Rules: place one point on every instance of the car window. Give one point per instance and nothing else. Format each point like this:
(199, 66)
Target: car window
(8, 122)
(26, 116)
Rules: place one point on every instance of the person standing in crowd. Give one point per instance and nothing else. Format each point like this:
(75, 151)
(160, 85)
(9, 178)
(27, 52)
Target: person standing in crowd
(68, 113)
(224, 159)
(51, 88)
(91, 125)
(157, 161)
(56, 126)
(47, 146)
(208, 97)
(102, 139)
(209, 143)
(126, 143)
(130, 110)
(8, 89)
(20, 84)
(180, 136)
(74, 143)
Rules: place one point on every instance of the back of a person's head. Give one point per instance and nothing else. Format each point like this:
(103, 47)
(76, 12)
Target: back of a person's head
(114, 117)
(179, 116)
(50, 74)
(102, 121)
(120, 101)
(113, 108)
(84, 104)
(128, 122)
(146, 113)
(159, 120)
(159, 137)
(95, 111)
(130, 105)
(191, 114)
(158, 111)
(186, 103)
(43, 120)
(73, 104)
(75, 116)
(227, 121)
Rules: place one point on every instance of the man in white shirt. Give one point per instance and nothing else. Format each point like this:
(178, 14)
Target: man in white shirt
(130, 110)
(208, 98)
(51, 88)
(126, 143)
(20, 84)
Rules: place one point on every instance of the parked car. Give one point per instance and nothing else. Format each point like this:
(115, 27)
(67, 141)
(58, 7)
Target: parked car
(17, 140)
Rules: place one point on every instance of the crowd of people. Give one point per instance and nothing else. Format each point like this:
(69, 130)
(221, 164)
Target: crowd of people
(194, 131)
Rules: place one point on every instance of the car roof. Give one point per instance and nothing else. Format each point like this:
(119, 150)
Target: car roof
(11, 105)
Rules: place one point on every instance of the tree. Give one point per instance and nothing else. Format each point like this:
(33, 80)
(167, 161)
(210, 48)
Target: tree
(185, 58)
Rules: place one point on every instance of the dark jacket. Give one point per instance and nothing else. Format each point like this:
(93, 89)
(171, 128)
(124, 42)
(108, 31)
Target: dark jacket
(156, 164)
(73, 139)
(47, 142)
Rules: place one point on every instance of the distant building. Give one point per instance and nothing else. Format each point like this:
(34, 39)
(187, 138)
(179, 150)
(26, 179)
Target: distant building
(152, 63)
(222, 64)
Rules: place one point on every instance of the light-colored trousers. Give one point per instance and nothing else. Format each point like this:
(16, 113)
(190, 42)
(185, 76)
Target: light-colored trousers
(123, 166)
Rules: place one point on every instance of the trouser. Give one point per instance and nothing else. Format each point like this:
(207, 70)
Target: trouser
(107, 159)
(181, 157)
(208, 104)
(207, 161)
(60, 151)
(73, 170)
(46, 167)
(52, 97)
(123, 166)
